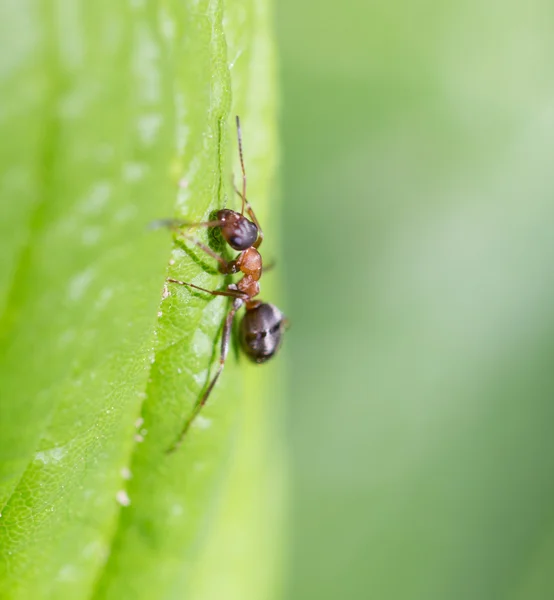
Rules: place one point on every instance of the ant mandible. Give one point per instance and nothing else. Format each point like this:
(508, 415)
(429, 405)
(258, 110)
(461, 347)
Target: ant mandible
(262, 324)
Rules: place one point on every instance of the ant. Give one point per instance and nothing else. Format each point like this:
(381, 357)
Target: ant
(262, 324)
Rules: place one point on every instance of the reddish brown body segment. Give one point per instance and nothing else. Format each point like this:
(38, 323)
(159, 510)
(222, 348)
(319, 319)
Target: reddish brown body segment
(249, 262)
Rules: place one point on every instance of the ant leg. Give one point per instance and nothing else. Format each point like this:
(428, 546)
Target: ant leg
(224, 265)
(177, 224)
(225, 337)
(231, 293)
(269, 267)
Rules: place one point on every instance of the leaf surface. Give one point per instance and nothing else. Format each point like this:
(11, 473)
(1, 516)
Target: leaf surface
(119, 116)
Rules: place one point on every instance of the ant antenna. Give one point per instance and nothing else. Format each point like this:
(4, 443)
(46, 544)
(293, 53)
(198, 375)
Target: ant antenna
(239, 136)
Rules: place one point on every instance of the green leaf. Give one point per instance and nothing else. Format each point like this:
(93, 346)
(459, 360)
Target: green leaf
(113, 115)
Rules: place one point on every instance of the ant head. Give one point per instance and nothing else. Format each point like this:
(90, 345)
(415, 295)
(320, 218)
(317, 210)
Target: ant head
(238, 231)
(260, 331)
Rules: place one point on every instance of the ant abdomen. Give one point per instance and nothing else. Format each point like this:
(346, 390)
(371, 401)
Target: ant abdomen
(260, 331)
(238, 231)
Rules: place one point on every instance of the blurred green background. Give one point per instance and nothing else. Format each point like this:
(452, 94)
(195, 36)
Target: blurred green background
(417, 249)
(418, 188)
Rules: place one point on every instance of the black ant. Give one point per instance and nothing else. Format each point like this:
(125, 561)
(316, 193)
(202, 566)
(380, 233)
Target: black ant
(262, 325)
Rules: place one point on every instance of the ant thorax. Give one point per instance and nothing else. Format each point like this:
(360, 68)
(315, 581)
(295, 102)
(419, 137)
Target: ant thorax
(249, 262)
